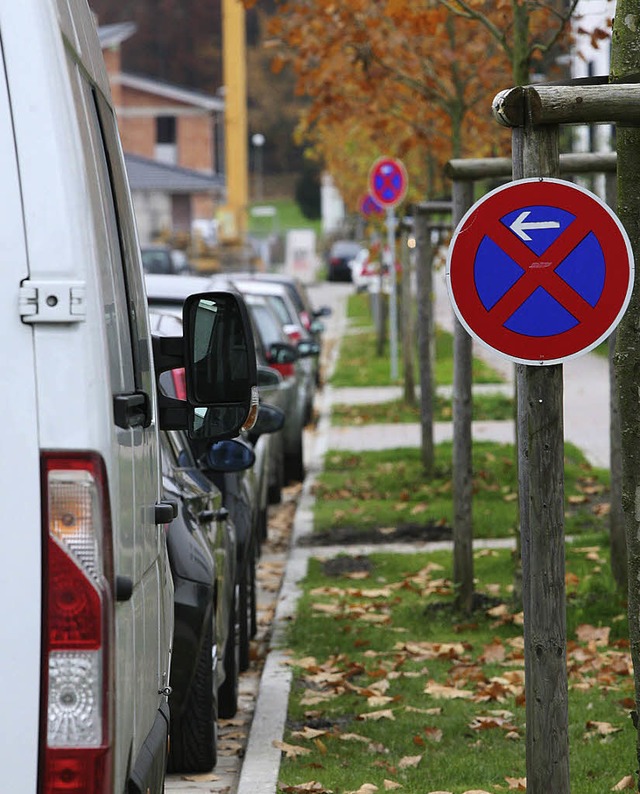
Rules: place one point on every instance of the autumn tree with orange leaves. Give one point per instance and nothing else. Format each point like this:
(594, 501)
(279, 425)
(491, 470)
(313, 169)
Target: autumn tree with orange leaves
(387, 77)
(411, 80)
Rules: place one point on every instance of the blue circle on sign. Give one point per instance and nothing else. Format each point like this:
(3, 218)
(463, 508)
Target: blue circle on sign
(538, 227)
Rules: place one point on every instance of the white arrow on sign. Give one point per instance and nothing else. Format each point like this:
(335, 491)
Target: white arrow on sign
(519, 225)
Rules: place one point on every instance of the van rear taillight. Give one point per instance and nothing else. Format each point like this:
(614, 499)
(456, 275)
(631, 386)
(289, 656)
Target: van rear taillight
(77, 626)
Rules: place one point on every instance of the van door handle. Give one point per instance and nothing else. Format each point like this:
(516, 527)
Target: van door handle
(165, 511)
(131, 410)
(222, 514)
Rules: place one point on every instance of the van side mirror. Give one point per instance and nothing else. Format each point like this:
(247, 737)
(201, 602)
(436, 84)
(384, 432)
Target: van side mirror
(218, 355)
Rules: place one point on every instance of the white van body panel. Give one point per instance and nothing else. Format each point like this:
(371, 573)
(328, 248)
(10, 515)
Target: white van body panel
(58, 233)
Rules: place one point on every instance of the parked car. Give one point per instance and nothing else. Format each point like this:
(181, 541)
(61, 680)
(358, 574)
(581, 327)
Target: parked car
(308, 349)
(201, 542)
(281, 355)
(310, 317)
(162, 259)
(86, 588)
(244, 493)
(340, 254)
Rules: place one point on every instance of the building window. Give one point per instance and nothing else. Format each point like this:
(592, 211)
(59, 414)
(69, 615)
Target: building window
(166, 149)
(166, 130)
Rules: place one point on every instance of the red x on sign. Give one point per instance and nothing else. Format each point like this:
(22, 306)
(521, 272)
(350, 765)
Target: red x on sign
(540, 270)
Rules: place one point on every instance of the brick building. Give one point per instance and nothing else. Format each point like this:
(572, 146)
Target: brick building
(173, 143)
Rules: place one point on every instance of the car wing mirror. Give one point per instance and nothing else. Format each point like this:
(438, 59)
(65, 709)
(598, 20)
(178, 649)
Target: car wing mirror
(230, 455)
(307, 348)
(218, 354)
(270, 420)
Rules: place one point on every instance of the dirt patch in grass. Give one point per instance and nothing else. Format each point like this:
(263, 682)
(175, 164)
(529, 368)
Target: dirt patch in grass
(343, 565)
(403, 533)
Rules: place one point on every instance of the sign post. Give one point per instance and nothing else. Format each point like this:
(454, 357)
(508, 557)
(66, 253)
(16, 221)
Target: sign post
(567, 291)
(388, 184)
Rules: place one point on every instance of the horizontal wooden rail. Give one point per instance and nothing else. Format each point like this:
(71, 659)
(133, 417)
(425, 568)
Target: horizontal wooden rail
(570, 163)
(568, 104)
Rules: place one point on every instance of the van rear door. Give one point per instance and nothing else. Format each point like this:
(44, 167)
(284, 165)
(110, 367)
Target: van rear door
(20, 545)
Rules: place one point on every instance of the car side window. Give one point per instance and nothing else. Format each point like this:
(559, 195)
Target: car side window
(129, 245)
(114, 290)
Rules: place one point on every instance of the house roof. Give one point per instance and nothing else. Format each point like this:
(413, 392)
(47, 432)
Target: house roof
(114, 35)
(145, 174)
(176, 93)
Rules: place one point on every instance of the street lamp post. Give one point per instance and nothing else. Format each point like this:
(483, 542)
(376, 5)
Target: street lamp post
(258, 140)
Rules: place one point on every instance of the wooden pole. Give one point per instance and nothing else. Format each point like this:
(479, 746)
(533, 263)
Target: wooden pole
(425, 331)
(541, 474)
(406, 306)
(462, 444)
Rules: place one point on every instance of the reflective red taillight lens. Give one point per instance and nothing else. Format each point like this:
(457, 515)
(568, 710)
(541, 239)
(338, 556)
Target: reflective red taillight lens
(76, 734)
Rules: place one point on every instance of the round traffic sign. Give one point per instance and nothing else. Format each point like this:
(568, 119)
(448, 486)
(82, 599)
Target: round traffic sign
(388, 181)
(540, 271)
(368, 206)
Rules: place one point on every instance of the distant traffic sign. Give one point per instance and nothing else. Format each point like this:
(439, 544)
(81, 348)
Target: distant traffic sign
(388, 182)
(368, 206)
(540, 270)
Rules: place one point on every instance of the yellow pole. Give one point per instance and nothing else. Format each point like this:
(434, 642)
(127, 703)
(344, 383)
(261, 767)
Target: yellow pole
(235, 96)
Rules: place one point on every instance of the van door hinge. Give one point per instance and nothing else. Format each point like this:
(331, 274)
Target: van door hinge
(53, 301)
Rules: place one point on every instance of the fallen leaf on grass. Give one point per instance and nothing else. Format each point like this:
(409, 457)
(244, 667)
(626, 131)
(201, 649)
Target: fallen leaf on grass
(383, 714)
(308, 733)
(627, 782)
(301, 788)
(447, 692)
(390, 785)
(409, 761)
(597, 635)
(366, 788)
(517, 783)
(290, 750)
(595, 728)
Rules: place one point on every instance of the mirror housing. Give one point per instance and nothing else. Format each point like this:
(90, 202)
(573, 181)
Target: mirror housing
(307, 348)
(282, 353)
(218, 354)
(268, 378)
(323, 311)
(229, 455)
(270, 420)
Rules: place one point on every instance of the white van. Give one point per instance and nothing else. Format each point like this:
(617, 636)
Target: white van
(85, 589)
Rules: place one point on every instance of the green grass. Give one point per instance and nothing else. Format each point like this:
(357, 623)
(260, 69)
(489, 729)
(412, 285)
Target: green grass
(373, 489)
(377, 642)
(288, 216)
(485, 407)
(359, 365)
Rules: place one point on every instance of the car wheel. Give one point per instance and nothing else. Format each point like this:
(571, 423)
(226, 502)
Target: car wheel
(294, 463)
(228, 692)
(194, 736)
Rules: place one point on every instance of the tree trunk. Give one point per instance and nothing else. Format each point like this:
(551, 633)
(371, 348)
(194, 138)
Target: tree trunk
(625, 59)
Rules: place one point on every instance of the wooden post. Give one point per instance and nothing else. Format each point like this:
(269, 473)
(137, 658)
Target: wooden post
(541, 474)
(424, 290)
(617, 534)
(406, 314)
(462, 445)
